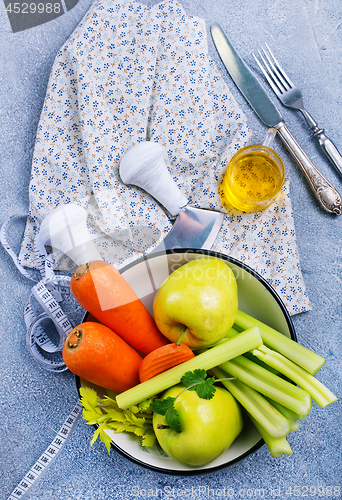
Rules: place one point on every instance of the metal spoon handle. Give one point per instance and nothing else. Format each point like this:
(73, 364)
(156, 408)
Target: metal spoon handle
(327, 196)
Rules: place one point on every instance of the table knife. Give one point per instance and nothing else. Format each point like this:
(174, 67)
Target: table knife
(327, 196)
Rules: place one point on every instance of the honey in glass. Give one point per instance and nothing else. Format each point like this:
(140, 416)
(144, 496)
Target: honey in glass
(254, 177)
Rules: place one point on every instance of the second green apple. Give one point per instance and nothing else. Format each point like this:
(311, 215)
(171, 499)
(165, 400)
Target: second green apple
(200, 299)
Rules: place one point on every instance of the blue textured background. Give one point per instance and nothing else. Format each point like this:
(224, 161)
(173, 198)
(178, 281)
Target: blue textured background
(307, 37)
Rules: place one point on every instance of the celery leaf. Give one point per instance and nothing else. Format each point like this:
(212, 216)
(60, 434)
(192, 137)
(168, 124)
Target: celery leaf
(105, 414)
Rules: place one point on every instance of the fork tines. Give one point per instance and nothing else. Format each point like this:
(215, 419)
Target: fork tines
(272, 70)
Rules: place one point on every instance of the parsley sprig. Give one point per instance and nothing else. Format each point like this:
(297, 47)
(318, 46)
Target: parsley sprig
(198, 381)
(166, 407)
(192, 381)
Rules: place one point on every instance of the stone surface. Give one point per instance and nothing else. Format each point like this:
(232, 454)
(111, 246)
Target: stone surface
(306, 36)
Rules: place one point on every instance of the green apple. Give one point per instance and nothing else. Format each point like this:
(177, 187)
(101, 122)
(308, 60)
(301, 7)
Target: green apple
(199, 298)
(209, 426)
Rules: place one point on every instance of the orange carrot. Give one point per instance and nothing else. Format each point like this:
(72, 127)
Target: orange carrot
(162, 359)
(102, 291)
(97, 354)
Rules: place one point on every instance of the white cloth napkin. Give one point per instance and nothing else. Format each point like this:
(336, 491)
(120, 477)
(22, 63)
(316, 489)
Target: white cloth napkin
(131, 73)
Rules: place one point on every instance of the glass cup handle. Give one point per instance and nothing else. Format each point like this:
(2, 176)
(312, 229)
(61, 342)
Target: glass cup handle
(269, 137)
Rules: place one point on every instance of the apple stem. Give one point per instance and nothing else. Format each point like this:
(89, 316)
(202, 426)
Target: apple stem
(181, 337)
(161, 426)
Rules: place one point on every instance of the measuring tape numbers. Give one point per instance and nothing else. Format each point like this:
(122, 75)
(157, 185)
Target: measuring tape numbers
(49, 455)
(46, 352)
(47, 326)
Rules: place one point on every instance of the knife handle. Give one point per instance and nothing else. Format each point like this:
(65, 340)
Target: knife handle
(327, 196)
(144, 165)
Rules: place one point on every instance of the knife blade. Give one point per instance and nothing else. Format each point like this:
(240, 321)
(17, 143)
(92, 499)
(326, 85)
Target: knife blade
(327, 196)
(194, 228)
(144, 165)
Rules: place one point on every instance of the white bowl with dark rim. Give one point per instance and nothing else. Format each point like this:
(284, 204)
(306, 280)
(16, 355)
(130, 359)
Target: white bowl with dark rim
(256, 298)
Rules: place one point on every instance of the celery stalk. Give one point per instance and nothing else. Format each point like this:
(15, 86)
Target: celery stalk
(253, 358)
(246, 341)
(233, 333)
(290, 415)
(276, 446)
(318, 391)
(309, 360)
(270, 385)
(256, 405)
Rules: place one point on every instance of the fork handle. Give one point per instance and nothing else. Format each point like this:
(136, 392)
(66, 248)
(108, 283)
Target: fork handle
(329, 149)
(327, 196)
(326, 144)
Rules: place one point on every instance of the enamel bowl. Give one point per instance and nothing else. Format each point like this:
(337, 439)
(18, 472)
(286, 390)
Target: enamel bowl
(256, 297)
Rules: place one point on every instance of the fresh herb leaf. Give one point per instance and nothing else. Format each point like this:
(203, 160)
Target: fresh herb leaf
(105, 413)
(161, 406)
(166, 407)
(206, 389)
(88, 398)
(106, 401)
(172, 419)
(195, 377)
(149, 439)
(145, 405)
(104, 438)
(192, 381)
(198, 381)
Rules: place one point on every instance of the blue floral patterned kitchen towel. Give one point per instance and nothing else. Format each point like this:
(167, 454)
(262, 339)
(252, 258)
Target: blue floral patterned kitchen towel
(131, 73)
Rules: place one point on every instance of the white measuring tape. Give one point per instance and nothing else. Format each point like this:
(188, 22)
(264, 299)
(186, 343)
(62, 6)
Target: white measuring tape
(49, 455)
(38, 342)
(42, 309)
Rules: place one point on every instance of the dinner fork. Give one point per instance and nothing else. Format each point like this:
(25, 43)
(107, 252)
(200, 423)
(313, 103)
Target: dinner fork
(291, 97)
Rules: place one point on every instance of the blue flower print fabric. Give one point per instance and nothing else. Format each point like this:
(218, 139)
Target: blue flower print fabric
(131, 73)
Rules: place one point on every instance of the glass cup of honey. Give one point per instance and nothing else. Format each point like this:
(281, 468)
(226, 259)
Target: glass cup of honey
(254, 177)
